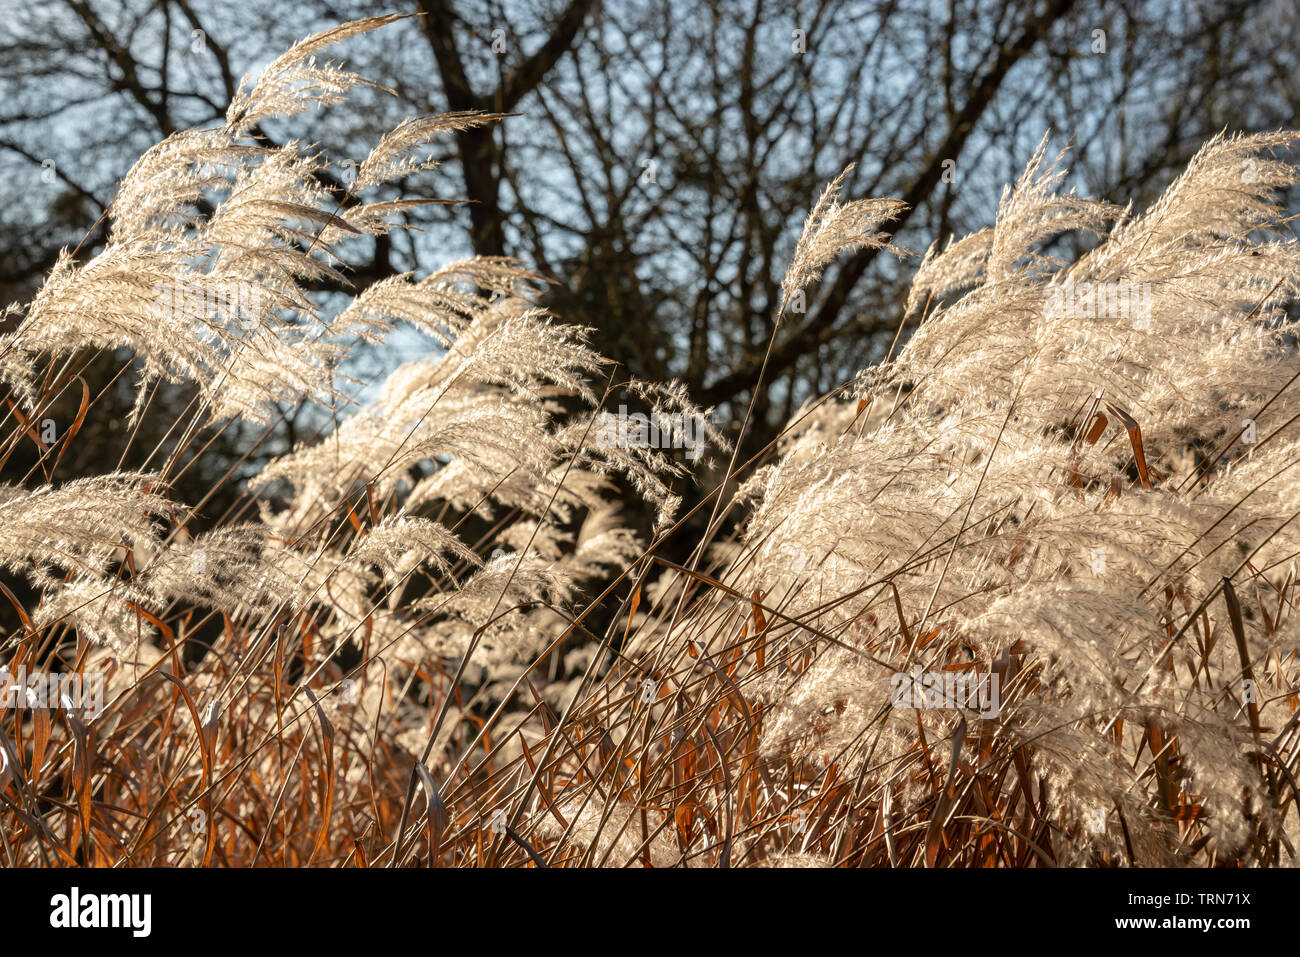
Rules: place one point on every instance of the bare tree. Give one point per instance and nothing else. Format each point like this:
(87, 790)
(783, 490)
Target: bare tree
(661, 155)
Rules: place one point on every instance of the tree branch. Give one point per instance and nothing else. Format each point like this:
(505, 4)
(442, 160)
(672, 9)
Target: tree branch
(799, 340)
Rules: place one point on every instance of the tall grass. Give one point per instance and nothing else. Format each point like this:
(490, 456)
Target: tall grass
(437, 643)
